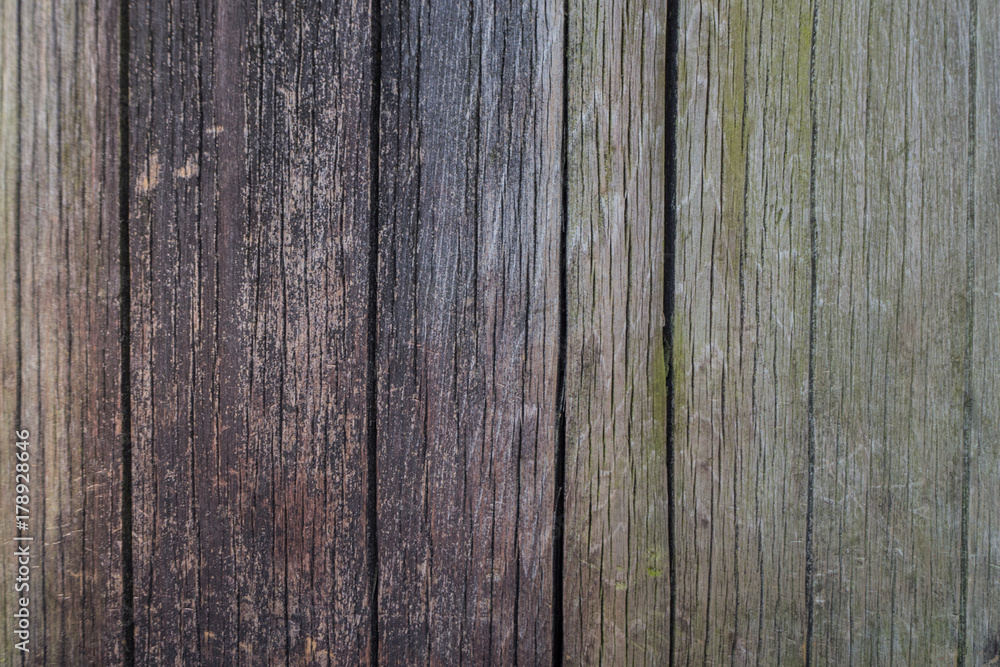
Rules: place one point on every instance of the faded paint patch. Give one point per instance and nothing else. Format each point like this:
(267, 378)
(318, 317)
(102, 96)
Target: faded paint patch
(189, 170)
(150, 178)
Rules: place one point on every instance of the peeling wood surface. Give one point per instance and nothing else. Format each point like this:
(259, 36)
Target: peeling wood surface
(249, 235)
(436, 356)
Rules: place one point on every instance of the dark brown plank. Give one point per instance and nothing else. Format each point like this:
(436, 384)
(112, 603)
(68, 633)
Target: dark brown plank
(249, 245)
(617, 589)
(468, 328)
(66, 208)
(164, 237)
(309, 225)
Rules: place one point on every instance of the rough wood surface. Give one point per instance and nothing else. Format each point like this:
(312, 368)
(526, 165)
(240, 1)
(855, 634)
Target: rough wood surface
(308, 244)
(60, 124)
(984, 398)
(9, 323)
(891, 322)
(249, 244)
(617, 589)
(468, 286)
(741, 332)
(372, 245)
(833, 334)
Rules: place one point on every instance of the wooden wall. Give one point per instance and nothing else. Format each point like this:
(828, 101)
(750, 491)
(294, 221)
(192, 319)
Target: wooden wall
(592, 332)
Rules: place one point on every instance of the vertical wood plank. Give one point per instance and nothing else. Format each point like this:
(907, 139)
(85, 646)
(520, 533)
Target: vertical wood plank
(310, 220)
(43, 281)
(9, 315)
(164, 235)
(101, 413)
(249, 241)
(867, 395)
(469, 183)
(69, 326)
(617, 592)
(984, 401)
(741, 332)
(891, 322)
(165, 238)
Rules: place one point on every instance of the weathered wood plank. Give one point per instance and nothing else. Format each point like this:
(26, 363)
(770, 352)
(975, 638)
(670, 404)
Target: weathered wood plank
(617, 592)
(834, 330)
(741, 332)
(9, 322)
(984, 400)
(43, 326)
(164, 238)
(825, 328)
(309, 231)
(249, 244)
(67, 215)
(165, 127)
(891, 321)
(468, 289)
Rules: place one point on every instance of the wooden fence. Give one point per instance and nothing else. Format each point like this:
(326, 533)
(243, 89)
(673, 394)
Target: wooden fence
(583, 332)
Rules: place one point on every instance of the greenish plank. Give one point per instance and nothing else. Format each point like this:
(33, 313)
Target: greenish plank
(741, 333)
(617, 592)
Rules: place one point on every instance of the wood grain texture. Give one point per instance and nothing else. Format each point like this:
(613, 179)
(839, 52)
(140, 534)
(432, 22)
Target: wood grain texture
(9, 305)
(249, 244)
(824, 369)
(984, 401)
(617, 592)
(66, 214)
(468, 284)
(309, 248)
(741, 333)
(175, 312)
(364, 237)
(891, 322)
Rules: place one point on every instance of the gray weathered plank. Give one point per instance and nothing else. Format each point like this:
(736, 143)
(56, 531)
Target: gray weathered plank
(617, 592)
(821, 328)
(468, 284)
(984, 401)
(741, 332)
(891, 321)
